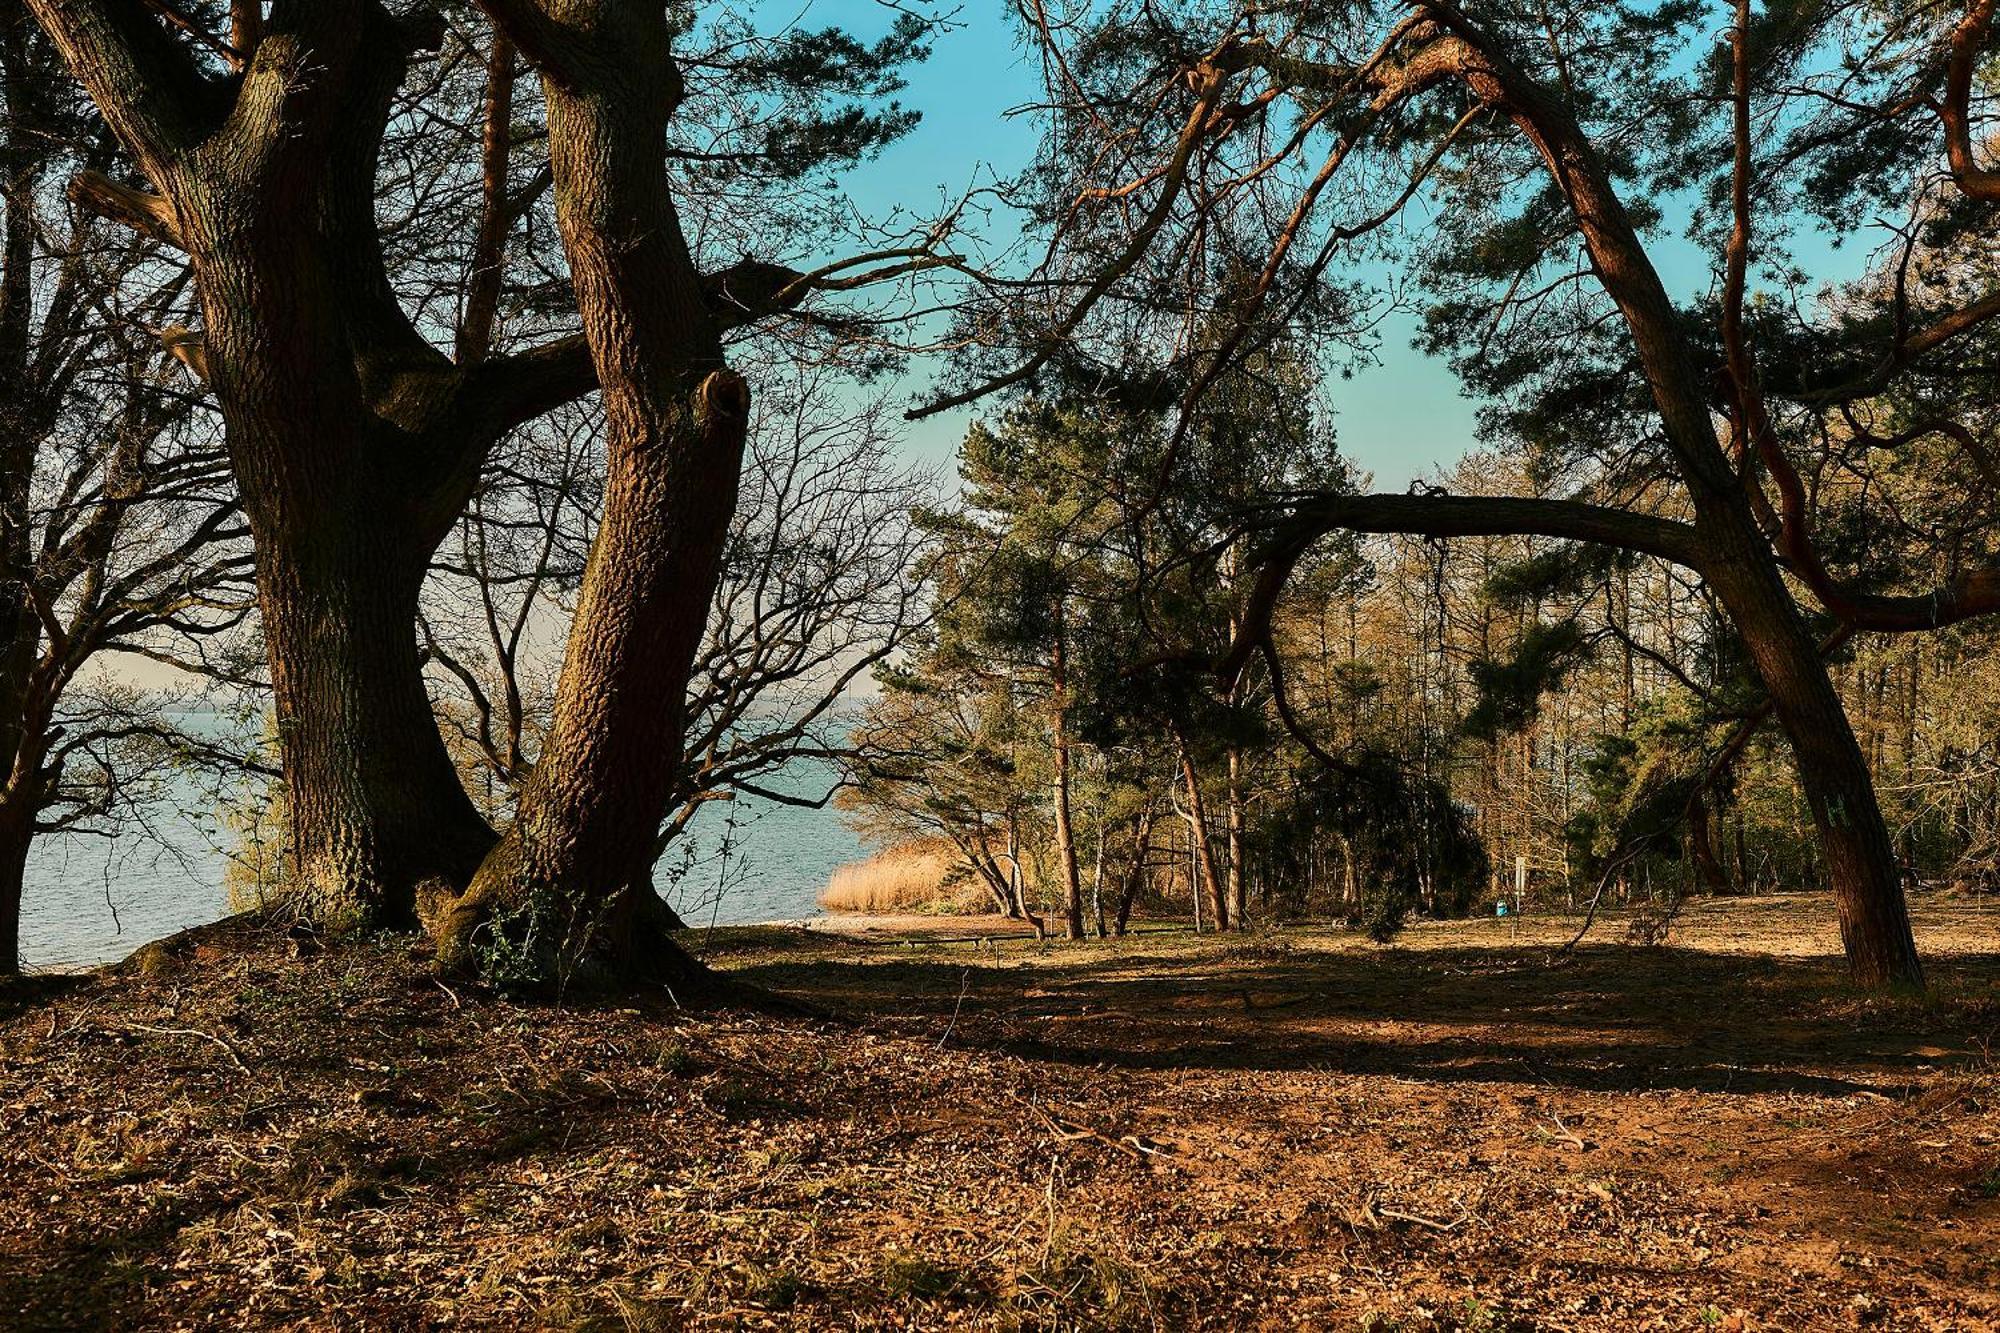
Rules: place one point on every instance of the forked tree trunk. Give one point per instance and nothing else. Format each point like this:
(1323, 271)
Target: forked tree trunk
(1701, 846)
(985, 869)
(1017, 885)
(1135, 874)
(345, 512)
(555, 903)
(1204, 850)
(354, 443)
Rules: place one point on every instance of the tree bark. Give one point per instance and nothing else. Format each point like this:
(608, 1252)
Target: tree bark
(1204, 850)
(1238, 886)
(354, 442)
(1017, 882)
(1135, 874)
(1701, 846)
(325, 400)
(1854, 840)
(380, 824)
(1066, 858)
(488, 264)
(554, 903)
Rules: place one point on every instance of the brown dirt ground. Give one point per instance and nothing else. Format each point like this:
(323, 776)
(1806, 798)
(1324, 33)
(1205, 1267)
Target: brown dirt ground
(1293, 1129)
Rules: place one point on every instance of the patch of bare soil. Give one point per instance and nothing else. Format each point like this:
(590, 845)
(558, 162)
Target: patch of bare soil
(1294, 1129)
(906, 927)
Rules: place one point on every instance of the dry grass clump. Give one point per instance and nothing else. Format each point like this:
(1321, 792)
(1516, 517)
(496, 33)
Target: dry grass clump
(904, 878)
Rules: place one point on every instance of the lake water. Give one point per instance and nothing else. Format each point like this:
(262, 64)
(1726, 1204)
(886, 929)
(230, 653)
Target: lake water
(93, 900)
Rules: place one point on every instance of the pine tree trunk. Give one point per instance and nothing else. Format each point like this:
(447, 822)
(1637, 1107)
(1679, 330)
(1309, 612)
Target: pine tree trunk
(1238, 887)
(557, 903)
(1854, 840)
(1738, 561)
(1097, 882)
(1204, 851)
(1135, 875)
(1017, 882)
(1701, 846)
(1066, 858)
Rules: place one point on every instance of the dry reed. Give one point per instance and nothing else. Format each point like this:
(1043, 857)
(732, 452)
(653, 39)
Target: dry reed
(897, 879)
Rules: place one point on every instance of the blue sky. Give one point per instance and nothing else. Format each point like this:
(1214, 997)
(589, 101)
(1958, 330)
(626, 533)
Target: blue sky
(1398, 420)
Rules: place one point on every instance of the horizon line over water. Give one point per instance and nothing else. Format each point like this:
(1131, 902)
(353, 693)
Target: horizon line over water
(90, 900)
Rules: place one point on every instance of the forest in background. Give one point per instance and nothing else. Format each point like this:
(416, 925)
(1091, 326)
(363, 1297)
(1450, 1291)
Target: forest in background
(1519, 725)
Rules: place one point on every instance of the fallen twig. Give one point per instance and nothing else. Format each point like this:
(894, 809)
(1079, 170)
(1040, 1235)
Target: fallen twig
(964, 984)
(227, 1049)
(1072, 1132)
(1453, 1225)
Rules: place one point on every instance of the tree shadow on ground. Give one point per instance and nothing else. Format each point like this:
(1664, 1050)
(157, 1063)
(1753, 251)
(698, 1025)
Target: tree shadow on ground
(1613, 1018)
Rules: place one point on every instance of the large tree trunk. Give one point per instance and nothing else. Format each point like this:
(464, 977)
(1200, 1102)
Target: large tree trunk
(344, 524)
(380, 824)
(1854, 840)
(354, 442)
(554, 903)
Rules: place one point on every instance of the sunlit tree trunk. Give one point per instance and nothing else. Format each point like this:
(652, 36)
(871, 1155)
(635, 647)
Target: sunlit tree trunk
(1065, 832)
(1238, 885)
(1210, 883)
(557, 902)
(1135, 873)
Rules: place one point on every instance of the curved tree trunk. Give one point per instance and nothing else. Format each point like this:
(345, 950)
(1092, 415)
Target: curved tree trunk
(1854, 840)
(1135, 874)
(354, 442)
(1735, 557)
(552, 905)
